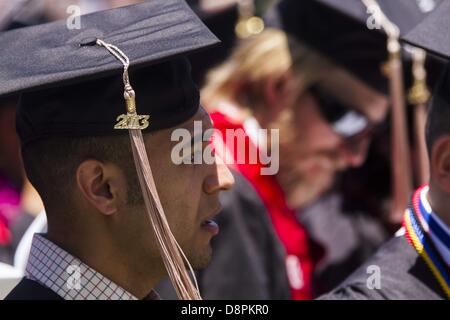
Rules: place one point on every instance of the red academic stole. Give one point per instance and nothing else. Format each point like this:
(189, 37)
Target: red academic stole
(418, 223)
(5, 235)
(299, 260)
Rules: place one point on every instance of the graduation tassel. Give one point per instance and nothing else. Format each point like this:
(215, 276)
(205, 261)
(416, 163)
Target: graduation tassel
(172, 255)
(401, 162)
(419, 96)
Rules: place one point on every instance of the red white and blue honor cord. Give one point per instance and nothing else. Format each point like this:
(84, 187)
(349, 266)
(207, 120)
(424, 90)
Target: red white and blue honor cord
(419, 224)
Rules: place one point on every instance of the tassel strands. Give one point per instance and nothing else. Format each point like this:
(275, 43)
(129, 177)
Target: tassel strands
(172, 255)
(401, 162)
(418, 96)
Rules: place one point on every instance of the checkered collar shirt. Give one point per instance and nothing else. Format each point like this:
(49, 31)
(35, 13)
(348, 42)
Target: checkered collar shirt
(67, 276)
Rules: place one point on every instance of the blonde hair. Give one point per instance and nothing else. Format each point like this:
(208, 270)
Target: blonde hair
(269, 55)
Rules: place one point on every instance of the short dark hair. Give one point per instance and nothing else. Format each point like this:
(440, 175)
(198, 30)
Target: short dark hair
(51, 164)
(438, 121)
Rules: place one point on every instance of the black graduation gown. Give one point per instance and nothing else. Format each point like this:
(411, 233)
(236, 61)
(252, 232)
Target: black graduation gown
(404, 276)
(349, 239)
(248, 258)
(28, 289)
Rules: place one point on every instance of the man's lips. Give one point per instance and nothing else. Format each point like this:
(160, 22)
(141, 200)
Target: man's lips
(210, 225)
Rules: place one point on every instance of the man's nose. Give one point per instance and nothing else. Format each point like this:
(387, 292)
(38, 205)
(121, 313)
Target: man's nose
(222, 179)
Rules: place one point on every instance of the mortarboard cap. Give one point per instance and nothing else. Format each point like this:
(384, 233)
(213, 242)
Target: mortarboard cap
(72, 87)
(340, 31)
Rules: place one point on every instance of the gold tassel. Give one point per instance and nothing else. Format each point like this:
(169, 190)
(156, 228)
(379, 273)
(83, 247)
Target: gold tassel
(401, 162)
(419, 96)
(171, 253)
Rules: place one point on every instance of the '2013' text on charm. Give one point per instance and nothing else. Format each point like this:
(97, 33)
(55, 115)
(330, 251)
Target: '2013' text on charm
(131, 120)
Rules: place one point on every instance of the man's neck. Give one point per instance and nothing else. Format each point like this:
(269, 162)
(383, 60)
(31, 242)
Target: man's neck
(439, 203)
(133, 275)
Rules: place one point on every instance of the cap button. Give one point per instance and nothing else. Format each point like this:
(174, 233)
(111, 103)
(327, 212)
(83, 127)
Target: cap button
(92, 41)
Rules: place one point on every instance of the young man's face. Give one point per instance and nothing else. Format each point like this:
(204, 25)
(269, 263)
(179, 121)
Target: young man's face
(189, 194)
(311, 152)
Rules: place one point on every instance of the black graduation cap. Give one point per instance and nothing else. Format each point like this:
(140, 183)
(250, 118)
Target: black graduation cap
(69, 85)
(339, 29)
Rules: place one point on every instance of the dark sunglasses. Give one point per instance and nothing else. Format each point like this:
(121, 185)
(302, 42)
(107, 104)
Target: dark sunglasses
(345, 121)
(350, 124)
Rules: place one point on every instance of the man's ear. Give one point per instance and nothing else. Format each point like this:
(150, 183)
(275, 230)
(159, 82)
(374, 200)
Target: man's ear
(101, 184)
(440, 162)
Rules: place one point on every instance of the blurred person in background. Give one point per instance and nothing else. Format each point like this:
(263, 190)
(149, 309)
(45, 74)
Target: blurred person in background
(272, 81)
(276, 82)
(10, 176)
(21, 13)
(354, 217)
(415, 263)
(19, 202)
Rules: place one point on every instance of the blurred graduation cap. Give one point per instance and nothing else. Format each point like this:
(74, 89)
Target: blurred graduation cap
(432, 34)
(346, 31)
(222, 23)
(21, 13)
(73, 83)
(229, 23)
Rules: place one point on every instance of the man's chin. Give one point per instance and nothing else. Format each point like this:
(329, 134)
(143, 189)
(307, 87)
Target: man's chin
(304, 194)
(201, 259)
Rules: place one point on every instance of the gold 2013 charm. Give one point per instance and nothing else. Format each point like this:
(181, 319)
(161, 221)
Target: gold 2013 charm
(132, 121)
